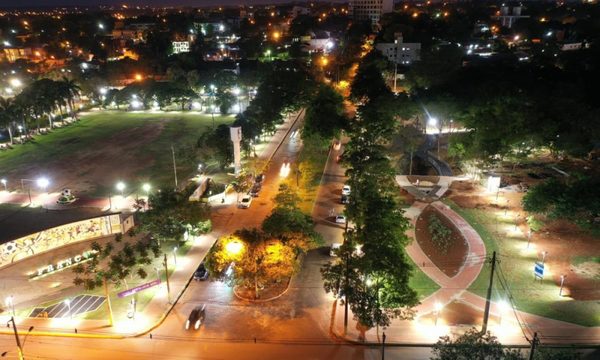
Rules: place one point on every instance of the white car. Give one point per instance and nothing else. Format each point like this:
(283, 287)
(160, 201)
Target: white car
(346, 190)
(334, 249)
(340, 219)
(246, 201)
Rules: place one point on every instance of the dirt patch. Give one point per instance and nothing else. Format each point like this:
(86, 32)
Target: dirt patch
(451, 261)
(432, 179)
(103, 162)
(467, 202)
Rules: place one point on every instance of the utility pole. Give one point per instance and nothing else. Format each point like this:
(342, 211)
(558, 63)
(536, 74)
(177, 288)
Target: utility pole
(488, 299)
(107, 295)
(534, 343)
(174, 165)
(19, 346)
(167, 277)
(383, 347)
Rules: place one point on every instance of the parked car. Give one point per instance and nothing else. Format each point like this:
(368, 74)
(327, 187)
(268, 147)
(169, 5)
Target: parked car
(246, 201)
(346, 190)
(255, 190)
(340, 219)
(334, 249)
(260, 178)
(196, 317)
(345, 199)
(201, 273)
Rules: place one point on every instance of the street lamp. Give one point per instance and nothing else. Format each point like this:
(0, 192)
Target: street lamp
(175, 256)
(42, 183)
(438, 310)
(121, 187)
(3, 181)
(562, 282)
(68, 303)
(14, 82)
(9, 302)
(146, 187)
(212, 108)
(503, 305)
(234, 247)
(236, 91)
(434, 122)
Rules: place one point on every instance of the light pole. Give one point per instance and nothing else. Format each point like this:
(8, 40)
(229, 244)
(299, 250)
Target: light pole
(121, 187)
(43, 183)
(68, 303)
(9, 302)
(18, 340)
(146, 187)
(544, 254)
(562, 283)
(3, 181)
(434, 122)
(212, 104)
(175, 256)
(438, 310)
(236, 91)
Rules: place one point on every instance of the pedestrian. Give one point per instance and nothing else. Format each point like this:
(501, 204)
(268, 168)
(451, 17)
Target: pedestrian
(75, 330)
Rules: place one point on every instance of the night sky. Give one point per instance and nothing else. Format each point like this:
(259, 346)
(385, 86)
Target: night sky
(199, 3)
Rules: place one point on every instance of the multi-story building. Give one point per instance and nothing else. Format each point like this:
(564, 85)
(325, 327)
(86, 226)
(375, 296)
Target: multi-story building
(400, 52)
(370, 9)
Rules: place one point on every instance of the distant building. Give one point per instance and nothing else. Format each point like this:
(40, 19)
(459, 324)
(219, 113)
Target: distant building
(400, 52)
(370, 9)
(181, 47)
(299, 10)
(508, 15)
(319, 41)
(14, 53)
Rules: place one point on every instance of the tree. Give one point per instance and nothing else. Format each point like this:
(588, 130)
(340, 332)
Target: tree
(325, 114)
(7, 115)
(472, 345)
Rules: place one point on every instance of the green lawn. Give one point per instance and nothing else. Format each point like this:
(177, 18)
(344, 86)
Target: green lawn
(516, 264)
(135, 145)
(421, 283)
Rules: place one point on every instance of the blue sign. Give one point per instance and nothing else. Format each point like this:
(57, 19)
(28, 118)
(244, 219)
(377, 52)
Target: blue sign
(538, 270)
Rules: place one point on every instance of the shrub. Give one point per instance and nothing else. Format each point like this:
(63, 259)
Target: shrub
(440, 233)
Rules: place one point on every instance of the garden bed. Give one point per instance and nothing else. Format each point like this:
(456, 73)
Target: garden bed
(450, 259)
(268, 293)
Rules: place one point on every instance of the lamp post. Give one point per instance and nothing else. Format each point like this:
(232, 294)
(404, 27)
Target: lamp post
(175, 256)
(68, 303)
(438, 310)
(236, 91)
(9, 302)
(562, 283)
(18, 340)
(121, 187)
(146, 187)
(3, 181)
(212, 104)
(544, 254)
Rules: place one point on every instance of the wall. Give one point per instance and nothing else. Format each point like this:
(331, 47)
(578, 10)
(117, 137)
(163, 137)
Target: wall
(50, 239)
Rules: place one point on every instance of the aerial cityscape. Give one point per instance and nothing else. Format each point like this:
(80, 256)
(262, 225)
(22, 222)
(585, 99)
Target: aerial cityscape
(359, 179)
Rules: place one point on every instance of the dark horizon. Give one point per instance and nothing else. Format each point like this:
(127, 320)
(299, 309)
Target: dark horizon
(193, 3)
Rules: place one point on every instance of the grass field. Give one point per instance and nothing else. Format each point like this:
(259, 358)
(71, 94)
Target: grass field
(105, 147)
(421, 283)
(516, 266)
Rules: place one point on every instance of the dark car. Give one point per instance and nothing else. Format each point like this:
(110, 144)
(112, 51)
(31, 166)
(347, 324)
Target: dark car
(255, 190)
(201, 273)
(345, 199)
(260, 178)
(196, 317)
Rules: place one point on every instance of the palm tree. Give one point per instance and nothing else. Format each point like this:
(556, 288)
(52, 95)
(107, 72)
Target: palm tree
(69, 90)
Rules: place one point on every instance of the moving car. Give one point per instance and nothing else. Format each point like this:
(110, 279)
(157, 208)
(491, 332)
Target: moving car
(334, 249)
(340, 219)
(196, 317)
(201, 273)
(255, 190)
(346, 190)
(260, 178)
(246, 201)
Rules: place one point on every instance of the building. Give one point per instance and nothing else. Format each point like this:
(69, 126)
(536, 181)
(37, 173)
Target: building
(400, 52)
(508, 15)
(14, 53)
(181, 47)
(370, 9)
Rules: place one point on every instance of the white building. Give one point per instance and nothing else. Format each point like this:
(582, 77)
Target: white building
(181, 47)
(508, 15)
(370, 9)
(400, 52)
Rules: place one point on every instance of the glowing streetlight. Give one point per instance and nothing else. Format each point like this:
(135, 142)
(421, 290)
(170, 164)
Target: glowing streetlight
(146, 187)
(14, 82)
(4, 182)
(9, 302)
(42, 183)
(121, 187)
(324, 61)
(175, 256)
(101, 26)
(234, 247)
(438, 309)
(503, 305)
(68, 303)
(276, 35)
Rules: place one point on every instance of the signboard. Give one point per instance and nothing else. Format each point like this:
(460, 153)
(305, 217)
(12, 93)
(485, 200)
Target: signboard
(538, 270)
(63, 264)
(139, 288)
